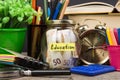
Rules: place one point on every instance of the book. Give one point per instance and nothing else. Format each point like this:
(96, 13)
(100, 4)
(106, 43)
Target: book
(75, 2)
(118, 6)
(93, 7)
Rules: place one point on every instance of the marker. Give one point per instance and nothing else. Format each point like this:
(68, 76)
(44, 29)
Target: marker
(45, 10)
(57, 10)
(54, 4)
(44, 72)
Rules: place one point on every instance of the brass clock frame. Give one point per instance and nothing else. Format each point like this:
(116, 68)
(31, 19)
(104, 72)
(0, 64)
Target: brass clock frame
(93, 47)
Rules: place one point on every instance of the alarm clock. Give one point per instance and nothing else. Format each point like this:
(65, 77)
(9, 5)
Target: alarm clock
(93, 44)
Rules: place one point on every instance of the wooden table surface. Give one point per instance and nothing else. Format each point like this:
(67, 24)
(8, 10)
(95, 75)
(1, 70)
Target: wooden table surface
(107, 76)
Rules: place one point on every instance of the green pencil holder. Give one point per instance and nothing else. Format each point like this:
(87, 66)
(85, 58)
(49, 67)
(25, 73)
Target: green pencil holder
(12, 39)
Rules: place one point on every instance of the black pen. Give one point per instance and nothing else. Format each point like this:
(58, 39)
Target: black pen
(44, 72)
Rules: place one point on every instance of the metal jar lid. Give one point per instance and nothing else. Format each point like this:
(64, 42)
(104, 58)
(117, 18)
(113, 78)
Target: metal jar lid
(60, 22)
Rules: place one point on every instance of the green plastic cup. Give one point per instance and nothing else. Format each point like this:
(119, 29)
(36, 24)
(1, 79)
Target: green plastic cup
(12, 39)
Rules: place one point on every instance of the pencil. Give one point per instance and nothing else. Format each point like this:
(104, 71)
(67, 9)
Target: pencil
(114, 41)
(116, 35)
(17, 59)
(109, 36)
(34, 7)
(36, 33)
(33, 23)
(63, 9)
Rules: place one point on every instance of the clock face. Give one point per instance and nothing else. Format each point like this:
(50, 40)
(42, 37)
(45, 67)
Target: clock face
(93, 49)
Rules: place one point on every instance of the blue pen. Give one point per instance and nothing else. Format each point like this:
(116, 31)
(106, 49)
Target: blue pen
(53, 7)
(49, 12)
(49, 8)
(57, 10)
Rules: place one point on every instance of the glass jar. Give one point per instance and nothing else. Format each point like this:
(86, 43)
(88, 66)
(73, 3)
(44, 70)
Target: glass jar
(59, 44)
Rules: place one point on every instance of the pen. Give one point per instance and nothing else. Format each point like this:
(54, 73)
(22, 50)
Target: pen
(57, 10)
(54, 4)
(66, 2)
(114, 41)
(44, 72)
(45, 10)
(49, 8)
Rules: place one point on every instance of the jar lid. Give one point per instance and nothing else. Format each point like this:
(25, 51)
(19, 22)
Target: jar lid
(59, 22)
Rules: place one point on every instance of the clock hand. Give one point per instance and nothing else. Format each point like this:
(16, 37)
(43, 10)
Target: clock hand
(87, 41)
(93, 53)
(101, 47)
(98, 47)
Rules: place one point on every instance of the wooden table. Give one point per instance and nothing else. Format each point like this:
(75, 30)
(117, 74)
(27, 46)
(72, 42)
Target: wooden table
(107, 76)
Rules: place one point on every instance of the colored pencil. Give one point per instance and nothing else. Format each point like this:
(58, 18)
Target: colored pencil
(109, 36)
(66, 2)
(36, 33)
(114, 41)
(17, 59)
(34, 7)
(116, 35)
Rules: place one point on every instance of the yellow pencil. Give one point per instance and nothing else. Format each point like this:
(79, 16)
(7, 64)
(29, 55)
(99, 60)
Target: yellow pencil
(114, 41)
(109, 36)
